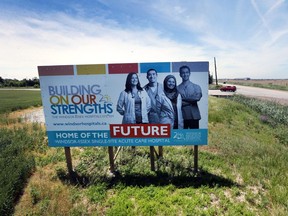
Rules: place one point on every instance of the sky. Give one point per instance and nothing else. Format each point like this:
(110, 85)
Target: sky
(248, 38)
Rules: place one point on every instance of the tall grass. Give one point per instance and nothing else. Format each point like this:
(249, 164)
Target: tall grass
(271, 112)
(242, 172)
(17, 163)
(17, 143)
(257, 150)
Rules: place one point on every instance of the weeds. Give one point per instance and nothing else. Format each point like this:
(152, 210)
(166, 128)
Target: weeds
(270, 112)
(16, 165)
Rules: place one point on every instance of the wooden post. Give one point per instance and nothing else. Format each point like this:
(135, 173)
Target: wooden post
(111, 158)
(69, 161)
(152, 159)
(160, 151)
(215, 71)
(196, 158)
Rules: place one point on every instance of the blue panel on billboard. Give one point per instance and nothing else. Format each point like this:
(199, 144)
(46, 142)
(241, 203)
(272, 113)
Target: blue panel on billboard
(160, 67)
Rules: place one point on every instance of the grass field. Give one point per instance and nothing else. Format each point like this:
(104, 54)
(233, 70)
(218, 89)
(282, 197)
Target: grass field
(12, 100)
(279, 84)
(242, 171)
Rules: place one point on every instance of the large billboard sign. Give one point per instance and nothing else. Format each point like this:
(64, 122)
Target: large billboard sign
(126, 104)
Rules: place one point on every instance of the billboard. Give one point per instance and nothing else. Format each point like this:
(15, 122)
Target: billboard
(125, 104)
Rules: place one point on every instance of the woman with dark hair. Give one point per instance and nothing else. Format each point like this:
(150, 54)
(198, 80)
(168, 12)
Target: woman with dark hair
(133, 103)
(171, 92)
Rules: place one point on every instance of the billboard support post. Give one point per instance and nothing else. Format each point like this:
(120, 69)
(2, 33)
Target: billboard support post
(69, 161)
(196, 158)
(111, 159)
(160, 151)
(152, 159)
(215, 71)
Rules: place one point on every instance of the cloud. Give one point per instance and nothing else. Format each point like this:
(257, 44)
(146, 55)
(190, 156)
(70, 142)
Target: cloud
(176, 33)
(274, 21)
(261, 16)
(34, 41)
(275, 6)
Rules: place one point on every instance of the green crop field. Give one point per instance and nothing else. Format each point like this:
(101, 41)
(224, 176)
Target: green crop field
(11, 100)
(242, 171)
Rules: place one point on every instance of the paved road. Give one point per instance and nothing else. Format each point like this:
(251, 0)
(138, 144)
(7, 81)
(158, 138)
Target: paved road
(261, 92)
(269, 94)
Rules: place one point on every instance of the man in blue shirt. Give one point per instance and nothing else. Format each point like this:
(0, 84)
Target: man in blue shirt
(191, 93)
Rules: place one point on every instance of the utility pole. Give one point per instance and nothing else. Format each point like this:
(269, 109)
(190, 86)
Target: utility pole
(215, 71)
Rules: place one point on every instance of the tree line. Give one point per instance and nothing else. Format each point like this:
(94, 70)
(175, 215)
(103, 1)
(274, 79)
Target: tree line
(34, 83)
